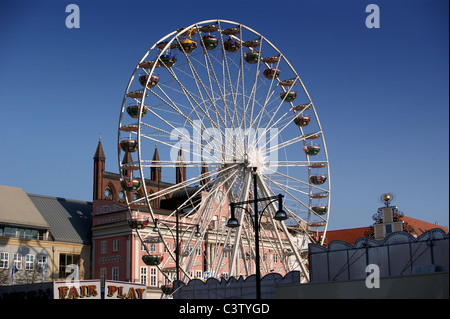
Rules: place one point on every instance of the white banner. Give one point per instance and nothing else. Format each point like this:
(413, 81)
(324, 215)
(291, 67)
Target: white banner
(81, 289)
(124, 290)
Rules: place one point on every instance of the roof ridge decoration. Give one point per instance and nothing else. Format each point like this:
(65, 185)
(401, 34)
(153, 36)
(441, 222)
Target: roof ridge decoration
(399, 254)
(394, 238)
(233, 287)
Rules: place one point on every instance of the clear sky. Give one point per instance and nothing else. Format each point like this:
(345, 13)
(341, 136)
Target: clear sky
(382, 94)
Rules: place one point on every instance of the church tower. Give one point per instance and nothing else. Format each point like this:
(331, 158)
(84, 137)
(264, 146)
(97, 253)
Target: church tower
(155, 170)
(205, 175)
(127, 159)
(181, 167)
(99, 169)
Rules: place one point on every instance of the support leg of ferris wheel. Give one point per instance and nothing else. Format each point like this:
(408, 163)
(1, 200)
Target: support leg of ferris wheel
(295, 249)
(272, 209)
(223, 181)
(237, 234)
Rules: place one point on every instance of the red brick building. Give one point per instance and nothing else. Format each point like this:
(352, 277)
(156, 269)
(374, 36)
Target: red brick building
(116, 247)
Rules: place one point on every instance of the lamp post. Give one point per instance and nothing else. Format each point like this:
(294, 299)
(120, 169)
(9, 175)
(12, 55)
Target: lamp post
(177, 238)
(280, 215)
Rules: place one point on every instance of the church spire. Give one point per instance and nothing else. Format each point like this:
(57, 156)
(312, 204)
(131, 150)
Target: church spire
(155, 170)
(205, 175)
(99, 168)
(181, 167)
(99, 154)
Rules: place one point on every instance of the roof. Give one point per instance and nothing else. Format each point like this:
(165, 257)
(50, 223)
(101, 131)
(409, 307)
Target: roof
(99, 154)
(155, 160)
(348, 235)
(418, 227)
(148, 182)
(18, 210)
(69, 220)
(415, 227)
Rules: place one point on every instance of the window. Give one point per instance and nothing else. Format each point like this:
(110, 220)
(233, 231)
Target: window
(29, 262)
(4, 260)
(214, 223)
(167, 247)
(198, 274)
(388, 229)
(22, 233)
(169, 279)
(115, 245)
(144, 275)
(17, 260)
(153, 280)
(107, 193)
(265, 257)
(103, 247)
(42, 262)
(275, 257)
(11, 232)
(153, 247)
(102, 276)
(115, 273)
(66, 260)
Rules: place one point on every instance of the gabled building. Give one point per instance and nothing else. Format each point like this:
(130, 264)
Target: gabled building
(40, 236)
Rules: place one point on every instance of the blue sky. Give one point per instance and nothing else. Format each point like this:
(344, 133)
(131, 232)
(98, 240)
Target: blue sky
(381, 94)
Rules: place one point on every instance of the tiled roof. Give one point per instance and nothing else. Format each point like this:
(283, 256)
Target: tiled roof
(414, 226)
(348, 235)
(69, 220)
(418, 227)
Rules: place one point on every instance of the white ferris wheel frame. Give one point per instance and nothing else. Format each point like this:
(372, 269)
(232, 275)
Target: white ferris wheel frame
(228, 174)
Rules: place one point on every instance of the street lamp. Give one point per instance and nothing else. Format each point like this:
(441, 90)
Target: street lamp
(232, 222)
(176, 238)
(280, 215)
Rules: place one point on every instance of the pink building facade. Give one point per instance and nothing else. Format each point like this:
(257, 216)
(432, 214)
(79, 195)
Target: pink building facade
(117, 248)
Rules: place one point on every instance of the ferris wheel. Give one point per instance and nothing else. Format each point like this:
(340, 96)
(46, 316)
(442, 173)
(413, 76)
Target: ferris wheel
(224, 108)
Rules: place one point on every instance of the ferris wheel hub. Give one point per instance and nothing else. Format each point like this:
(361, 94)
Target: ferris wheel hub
(257, 159)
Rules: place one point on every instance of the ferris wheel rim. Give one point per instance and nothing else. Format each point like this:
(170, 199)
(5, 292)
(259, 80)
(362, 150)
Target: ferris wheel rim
(174, 35)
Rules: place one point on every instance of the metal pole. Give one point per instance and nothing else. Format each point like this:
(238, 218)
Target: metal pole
(177, 250)
(256, 226)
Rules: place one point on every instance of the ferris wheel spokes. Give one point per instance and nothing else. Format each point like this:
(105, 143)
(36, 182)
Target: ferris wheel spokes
(225, 105)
